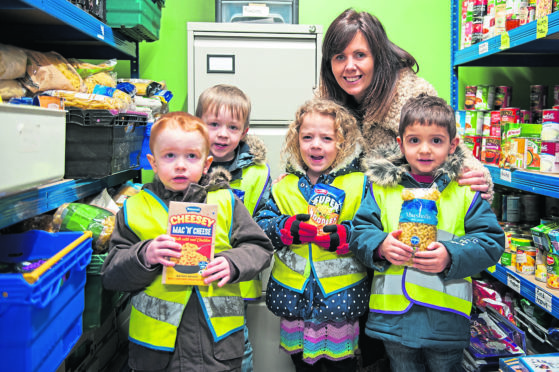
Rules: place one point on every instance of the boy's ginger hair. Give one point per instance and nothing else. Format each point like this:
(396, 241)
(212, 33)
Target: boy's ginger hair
(348, 135)
(181, 120)
(228, 96)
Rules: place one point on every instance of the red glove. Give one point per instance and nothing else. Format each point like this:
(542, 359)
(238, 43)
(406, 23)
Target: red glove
(335, 241)
(295, 231)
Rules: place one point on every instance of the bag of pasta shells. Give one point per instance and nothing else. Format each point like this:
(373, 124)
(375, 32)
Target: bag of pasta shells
(418, 218)
(50, 70)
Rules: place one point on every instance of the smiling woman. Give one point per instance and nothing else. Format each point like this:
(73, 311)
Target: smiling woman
(373, 78)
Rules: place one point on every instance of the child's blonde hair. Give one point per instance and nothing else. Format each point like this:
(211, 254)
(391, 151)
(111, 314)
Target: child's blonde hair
(179, 120)
(228, 96)
(348, 135)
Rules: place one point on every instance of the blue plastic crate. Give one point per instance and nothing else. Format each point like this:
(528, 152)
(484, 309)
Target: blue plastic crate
(41, 312)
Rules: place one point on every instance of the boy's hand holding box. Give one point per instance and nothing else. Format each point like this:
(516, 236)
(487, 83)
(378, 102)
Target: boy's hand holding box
(192, 225)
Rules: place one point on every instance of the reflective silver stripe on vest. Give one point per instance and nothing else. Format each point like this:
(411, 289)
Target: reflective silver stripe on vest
(224, 306)
(156, 308)
(459, 288)
(338, 266)
(292, 260)
(387, 285)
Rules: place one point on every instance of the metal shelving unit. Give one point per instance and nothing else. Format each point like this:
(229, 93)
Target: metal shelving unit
(61, 26)
(522, 46)
(534, 44)
(538, 183)
(528, 287)
(35, 201)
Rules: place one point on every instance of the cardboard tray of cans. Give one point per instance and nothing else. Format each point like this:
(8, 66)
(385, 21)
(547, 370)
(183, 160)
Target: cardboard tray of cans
(101, 142)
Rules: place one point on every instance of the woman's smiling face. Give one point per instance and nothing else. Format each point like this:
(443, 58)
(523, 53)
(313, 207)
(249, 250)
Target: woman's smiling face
(353, 68)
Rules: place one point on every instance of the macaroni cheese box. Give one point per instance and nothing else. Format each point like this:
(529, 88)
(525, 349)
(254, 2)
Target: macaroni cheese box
(193, 226)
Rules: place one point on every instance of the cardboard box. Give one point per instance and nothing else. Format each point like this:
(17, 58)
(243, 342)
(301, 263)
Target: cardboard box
(193, 226)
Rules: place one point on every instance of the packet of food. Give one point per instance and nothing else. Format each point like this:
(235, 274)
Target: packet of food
(325, 206)
(418, 218)
(193, 226)
(82, 217)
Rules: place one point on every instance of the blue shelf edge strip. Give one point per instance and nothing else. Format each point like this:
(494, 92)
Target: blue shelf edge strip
(35, 201)
(527, 288)
(82, 21)
(538, 183)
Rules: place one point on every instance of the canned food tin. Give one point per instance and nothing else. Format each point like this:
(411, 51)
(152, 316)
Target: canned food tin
(474, 123)
(520, 240)
(552, 264)
(556, 95)
(550, 115)
(486, 124)
(525, 116)
(530, 206)
(549, 157)
(550, 132)
(503, 96)
(491, 150)
(526, 259)
(541, 268)
(506, 258)
(474, 144)
(538, 97)
(513, 208)
(485, 97)
(470, 97)
(510, 115)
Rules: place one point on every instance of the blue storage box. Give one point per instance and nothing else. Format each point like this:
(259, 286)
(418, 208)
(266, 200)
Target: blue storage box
(41, 311)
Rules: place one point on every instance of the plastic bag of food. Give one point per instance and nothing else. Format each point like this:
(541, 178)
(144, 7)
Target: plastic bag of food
(13, 62)
(418, 218)
(11, 88)
(114, 93)
(89, 101)
(107, 79)
(145, 87)
(50, 71)
(325, 206)
(84, 217)
(86, 69)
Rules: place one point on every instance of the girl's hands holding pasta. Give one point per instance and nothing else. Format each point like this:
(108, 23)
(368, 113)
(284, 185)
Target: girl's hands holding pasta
(160, 249)
(434, 260)
(393, 250)
(217, 269)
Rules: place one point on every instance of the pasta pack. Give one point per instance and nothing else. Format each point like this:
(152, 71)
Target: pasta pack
(418, 218)
(50, 70)
(325, 205)
(193, 226)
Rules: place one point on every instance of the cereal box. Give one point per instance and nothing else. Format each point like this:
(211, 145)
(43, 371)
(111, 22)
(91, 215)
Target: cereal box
(325, 205)
(193, 226)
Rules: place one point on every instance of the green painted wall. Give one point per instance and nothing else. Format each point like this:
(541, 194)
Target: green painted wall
(422, 30)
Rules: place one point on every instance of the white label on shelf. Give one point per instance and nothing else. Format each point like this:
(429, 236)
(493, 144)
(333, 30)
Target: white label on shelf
(543, 299)
(506, 175)
(513, 282)
(102, 34)
(483, 48)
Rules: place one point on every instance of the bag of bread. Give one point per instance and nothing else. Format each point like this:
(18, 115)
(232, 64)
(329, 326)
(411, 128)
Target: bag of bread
(13, 62)
(11, 88)
(50, 71)
(418, 218)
